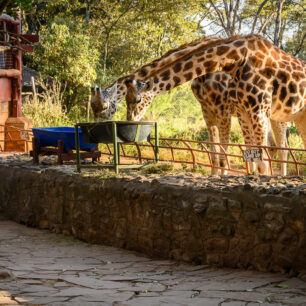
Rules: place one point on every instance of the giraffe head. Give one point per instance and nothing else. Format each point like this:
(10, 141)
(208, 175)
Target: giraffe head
(103, 102)
(138, 99)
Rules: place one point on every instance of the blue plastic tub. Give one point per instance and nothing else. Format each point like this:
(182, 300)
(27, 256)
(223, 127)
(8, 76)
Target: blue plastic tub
(48, 137)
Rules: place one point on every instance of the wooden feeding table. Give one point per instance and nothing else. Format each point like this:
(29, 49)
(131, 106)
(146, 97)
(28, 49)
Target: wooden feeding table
(60, 141)
(115, 132)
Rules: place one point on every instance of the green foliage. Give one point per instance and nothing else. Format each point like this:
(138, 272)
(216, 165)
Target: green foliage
(45, 110)
(198, 169)
(157, 168)
(11, 6)
(178, 113)
(65, 53)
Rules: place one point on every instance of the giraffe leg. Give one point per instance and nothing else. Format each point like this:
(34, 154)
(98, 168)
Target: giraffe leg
(247, 132)
(280, 131)
(213, 134)
(300, 123)
(260, 129)
(224, 133)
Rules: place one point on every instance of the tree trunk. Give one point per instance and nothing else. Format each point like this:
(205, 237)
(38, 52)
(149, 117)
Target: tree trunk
(278, 23)
(3, 5)
(105, 55)
(87, 14)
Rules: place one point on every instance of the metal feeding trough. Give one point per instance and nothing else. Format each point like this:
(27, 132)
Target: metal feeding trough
(115, 132)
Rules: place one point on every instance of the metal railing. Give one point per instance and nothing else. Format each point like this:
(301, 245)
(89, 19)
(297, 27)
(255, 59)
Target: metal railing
(200, 153)
(189, 152)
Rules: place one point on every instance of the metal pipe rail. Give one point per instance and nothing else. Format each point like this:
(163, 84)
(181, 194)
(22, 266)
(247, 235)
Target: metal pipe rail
(198, 149)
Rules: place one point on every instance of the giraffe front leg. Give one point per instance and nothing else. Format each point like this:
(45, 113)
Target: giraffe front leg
(247, 132)
(224, 133)
(260, 130)
(213, 134)
(280, 131)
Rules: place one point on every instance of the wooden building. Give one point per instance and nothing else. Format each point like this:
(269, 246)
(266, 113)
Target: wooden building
(12, 44)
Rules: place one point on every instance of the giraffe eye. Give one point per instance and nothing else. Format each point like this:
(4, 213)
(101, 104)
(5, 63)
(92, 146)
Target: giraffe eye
(138, 101)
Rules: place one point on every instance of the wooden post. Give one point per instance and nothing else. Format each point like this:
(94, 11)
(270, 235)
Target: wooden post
(17, 82)
(88, 107)
(33, 87)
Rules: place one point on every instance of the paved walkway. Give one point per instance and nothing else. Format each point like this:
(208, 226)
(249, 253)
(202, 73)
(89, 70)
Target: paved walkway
(37, 267)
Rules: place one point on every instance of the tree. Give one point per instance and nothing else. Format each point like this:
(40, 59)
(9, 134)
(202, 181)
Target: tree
(66, 54)
(11, 6)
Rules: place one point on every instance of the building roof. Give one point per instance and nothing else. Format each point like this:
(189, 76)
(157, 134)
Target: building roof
(27, 73)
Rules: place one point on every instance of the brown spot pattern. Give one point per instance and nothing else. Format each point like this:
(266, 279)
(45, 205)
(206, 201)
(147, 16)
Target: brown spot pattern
(188, 66)
(222, 50)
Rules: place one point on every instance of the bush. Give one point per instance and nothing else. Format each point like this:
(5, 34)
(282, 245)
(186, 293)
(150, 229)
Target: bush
(46, 110)
(66, 53)
(157, 168)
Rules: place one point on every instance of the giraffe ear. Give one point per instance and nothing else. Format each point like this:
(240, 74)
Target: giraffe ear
(113, 90)
(130, 83)
(104, 94)
(141, 86)
(148, 85)
(94, 89)
(144, 86)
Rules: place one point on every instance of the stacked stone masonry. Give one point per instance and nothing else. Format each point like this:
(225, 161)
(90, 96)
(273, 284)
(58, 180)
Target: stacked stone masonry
(244, 222)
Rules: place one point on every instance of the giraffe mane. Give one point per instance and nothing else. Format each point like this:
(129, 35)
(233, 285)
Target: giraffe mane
(168, 53)
(209, 44)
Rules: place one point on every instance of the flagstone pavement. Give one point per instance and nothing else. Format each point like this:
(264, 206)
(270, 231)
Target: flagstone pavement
(41, 268)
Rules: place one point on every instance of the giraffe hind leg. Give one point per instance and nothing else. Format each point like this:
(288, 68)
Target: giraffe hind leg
(300, 123)
(214, 137)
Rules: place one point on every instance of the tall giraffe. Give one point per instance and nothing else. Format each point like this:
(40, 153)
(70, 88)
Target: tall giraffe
(104, 102)
(268, 82)
(211, 91)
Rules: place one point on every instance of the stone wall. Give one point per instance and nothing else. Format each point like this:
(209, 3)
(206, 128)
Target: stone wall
(245, 222)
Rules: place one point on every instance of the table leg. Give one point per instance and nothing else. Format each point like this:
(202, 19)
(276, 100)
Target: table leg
(156, 143)
(77, 147)
(115, 142)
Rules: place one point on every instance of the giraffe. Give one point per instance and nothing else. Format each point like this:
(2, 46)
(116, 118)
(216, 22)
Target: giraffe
(268, 83)
(104, 102)
(211, 91)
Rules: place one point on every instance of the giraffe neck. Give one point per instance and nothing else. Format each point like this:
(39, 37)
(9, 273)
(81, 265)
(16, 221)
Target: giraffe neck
(137, 112)
(154, 66)
(169, 57)
(222, 55)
